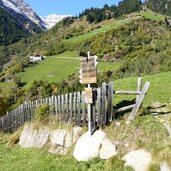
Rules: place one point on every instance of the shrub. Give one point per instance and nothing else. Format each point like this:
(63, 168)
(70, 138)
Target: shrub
(42, 113)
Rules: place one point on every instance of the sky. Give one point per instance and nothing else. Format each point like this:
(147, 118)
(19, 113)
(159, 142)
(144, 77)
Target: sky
(65, 7)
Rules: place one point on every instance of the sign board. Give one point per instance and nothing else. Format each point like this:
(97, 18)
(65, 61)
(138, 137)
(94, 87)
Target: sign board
(88, 72)
(88, 95)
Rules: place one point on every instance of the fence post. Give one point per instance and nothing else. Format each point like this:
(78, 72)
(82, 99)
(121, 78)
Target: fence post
(103, 103)
(139, 86)
(139, 101)
(66, 107)
(78, 107)
(75, 107)
(99, 119)
(83, 109)
(63, 109)
(59, 105)
(110, 102)
(70, 106)
(56, 105)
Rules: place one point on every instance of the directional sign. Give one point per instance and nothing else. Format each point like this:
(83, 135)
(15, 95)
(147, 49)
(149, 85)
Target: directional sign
(88, 95)
(88, 72)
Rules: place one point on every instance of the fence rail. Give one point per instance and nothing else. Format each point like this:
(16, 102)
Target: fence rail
(72, 108)
(69, 108)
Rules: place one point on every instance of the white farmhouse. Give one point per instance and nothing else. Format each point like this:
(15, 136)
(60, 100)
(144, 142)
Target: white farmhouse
(36, 58)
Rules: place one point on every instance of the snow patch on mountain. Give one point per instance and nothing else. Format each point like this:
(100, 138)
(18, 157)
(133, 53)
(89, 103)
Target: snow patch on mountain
(53, 19)
(19, 6)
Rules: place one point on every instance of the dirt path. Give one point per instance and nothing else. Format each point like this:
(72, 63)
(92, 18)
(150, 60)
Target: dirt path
(76, 58)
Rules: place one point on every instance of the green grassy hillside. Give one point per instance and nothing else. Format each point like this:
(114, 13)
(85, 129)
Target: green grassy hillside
(149, 134)
(58, 68)
(159, 90)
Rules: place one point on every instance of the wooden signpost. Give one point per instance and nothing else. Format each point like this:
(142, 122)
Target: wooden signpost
(88, 75)
(88, 92)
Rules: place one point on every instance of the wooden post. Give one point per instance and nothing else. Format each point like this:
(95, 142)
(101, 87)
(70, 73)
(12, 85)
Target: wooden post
(103, 103)
(139, 101)
(66, 105)
(99, 119)
(74, 107)
(93, 105)
(90, 123)
(70, 107)
(83, 109)
(139, 86)
(110, 102)
(56, 105)
(59, 105)
(78, 108)
(63, 109)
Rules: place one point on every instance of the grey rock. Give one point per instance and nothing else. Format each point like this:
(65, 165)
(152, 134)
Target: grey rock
(139, 160)
(108, 149)
(57, 137)
(31, 137)
(88, 147)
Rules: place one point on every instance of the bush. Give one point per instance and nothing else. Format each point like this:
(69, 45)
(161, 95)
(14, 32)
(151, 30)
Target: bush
(42, 113)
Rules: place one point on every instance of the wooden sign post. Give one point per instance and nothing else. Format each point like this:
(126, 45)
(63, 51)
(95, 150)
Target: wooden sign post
(88, 75)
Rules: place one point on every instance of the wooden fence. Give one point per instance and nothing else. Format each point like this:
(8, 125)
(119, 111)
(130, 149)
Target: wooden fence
(69, 108)
(72, 108)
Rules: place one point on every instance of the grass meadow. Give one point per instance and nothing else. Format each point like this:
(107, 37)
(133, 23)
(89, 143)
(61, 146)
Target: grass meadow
(57, 68)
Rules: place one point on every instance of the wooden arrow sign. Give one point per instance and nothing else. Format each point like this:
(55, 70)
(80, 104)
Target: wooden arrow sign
(88, 71)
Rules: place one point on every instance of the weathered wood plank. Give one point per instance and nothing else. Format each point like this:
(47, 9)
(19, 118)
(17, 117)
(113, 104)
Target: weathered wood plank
(127, 92)
(79, 108)
(70, 107)
(122, 109)
(99, 119)
(62, 108)
(103, 103)
(59, 105)
(66, 106)
(110, 102)
(75, 107)
(93, 114)
(56, 106)
(139, 101)
(139, 86)
(83, 109)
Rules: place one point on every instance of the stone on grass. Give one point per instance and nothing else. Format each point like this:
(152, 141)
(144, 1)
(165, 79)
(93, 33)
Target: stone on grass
(88, 147)
(108, 149)
(165, 167)
(68, 140)
(57, 137)
(139, 160)
(31, 137)
(76, 133)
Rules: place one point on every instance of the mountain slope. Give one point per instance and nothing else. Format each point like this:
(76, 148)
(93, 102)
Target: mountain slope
(10, 30)
(160, 6)
(95, 15)
(23, 14)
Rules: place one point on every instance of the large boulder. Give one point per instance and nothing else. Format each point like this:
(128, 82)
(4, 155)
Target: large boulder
(68, 140)
(165, 167)
(76, 133)
(32, 137)
(57, 137)
(108, 149)
(139, 160)
(87, 147)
